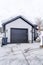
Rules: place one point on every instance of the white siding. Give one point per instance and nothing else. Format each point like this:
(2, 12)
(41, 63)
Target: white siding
(19, 23)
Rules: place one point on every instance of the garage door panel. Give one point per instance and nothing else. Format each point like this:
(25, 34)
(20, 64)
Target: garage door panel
(19, 35)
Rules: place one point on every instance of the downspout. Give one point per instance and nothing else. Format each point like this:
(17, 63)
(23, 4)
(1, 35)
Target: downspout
(4, 32)
(32, 34)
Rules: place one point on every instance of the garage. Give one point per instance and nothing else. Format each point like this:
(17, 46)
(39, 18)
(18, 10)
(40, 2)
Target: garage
(19, 30)
(19, 35)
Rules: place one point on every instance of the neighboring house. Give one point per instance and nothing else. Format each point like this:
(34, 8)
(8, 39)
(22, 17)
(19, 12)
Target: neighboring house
(0, 29)
(19, 30)
(1, 35)
(1, 32)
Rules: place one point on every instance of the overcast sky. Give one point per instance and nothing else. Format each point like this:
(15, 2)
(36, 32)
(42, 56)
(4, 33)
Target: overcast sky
(31, 9)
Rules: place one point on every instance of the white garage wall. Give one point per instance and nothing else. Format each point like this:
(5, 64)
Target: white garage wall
(19, 23)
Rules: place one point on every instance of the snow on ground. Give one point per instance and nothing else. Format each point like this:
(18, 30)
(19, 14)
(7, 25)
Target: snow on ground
(21, 54)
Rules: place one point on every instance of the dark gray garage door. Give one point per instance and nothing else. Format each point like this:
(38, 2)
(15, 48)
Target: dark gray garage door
(19, 35)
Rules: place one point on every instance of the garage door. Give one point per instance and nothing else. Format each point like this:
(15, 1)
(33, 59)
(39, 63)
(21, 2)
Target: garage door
(19, 35)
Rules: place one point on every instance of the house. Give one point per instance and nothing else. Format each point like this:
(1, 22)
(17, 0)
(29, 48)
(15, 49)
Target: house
(19, 30)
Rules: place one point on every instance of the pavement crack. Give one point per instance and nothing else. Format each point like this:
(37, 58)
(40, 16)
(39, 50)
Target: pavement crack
(25, 57)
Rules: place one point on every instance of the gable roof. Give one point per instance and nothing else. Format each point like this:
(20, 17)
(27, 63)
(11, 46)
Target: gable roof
(13, 19)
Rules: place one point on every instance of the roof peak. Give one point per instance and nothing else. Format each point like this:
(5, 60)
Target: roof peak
(17, 17)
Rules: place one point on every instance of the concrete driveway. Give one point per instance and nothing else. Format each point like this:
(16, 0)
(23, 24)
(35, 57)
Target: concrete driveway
(21, 54)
